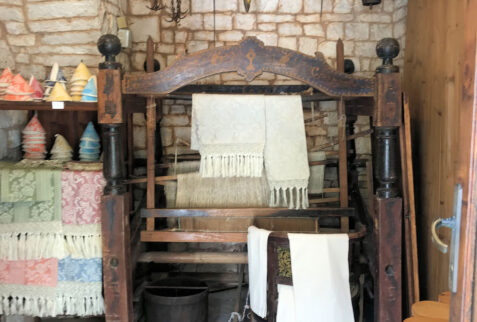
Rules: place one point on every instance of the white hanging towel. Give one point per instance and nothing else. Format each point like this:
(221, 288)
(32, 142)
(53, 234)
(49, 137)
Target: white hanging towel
(286, 304)
(321, 277)
(286, 159)
(257, 241)
(229, 132)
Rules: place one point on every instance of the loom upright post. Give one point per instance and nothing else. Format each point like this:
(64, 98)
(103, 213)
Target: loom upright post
(117, 279)
(387, 203)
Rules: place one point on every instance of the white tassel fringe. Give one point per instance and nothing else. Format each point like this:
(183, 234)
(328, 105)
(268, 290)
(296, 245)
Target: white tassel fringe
(24, 246)
(291, 197)
(233, 165)
(49, 307)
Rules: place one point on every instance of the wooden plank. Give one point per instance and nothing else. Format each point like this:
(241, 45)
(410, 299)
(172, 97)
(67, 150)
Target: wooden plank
(313, 71)
(192, 237)
(325, 200)
(388, 294)
(116, 256)
(150, 138)
(412, 266)
(343, 163)
(46, 106)
(370, 186)
(247, 212)
(360, 106)
(194, 258)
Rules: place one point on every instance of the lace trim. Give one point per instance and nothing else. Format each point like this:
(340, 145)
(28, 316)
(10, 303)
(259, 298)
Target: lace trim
(68, 298)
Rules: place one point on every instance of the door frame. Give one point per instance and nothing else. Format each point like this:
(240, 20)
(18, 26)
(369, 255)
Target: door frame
(464, 301)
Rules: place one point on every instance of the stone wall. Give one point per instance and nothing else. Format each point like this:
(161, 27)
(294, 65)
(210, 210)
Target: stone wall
(34, 34)
(293, 24)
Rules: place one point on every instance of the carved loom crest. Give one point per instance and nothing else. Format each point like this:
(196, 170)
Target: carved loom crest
(250, 58)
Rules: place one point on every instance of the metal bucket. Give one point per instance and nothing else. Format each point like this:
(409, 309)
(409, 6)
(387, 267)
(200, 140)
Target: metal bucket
(177, 300)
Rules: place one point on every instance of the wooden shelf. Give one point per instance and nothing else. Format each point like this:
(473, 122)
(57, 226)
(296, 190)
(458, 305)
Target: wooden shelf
(194, 258)
(46, 106)
(171, 236)
(247, 212)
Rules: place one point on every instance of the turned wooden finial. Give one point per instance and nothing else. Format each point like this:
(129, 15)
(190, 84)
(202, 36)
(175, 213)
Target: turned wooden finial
(387, 49)
(109, 46)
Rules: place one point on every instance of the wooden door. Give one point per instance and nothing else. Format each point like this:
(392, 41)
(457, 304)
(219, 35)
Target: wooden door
(464, 301)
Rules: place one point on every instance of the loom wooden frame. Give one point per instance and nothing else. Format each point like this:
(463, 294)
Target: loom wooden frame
(250, 58)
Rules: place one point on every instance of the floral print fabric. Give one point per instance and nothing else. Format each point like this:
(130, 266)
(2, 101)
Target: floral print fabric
(81, 197)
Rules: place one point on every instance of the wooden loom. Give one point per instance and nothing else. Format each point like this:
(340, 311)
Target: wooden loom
(378, 97)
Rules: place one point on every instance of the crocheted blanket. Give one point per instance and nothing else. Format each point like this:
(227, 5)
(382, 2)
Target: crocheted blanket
(50, 241)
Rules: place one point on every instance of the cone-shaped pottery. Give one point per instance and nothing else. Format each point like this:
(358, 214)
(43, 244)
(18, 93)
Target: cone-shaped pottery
(6, 77)
(53, 73)
(81, 73)
(61, 145)
(34, 140)
(59, 94)
(61, 149)
(90, 133)
(34, 126)
(5, 80)
(37, 89)
(89, 144)
(19, 90)
(91, 88)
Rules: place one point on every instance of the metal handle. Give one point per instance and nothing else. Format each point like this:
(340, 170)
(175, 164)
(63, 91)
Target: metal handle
(454, 224)
(438, 223)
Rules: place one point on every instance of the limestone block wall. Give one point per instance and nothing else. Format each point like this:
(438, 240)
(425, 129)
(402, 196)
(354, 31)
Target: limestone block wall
(293, 24)
(34, 34)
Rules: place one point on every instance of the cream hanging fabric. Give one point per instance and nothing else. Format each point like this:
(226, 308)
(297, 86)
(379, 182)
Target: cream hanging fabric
(257, 240)
(229, 132)
(286, 159)
(321, 277)
(236, 133)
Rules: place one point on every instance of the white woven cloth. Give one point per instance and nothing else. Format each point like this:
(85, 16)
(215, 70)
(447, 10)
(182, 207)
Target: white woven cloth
(229, 132)
(286, 158)
(286, 303)
(321, 277)
(257, 241)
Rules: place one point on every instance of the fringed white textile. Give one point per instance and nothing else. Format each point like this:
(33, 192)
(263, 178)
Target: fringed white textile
(321, 277)
(229, 132)
(76, 299)
(78, 242)
(257, 241)
(286, 160)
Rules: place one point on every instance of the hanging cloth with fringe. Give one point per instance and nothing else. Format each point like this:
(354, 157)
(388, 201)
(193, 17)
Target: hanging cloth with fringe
(229, 132)
(50, 241)
(286, 157)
